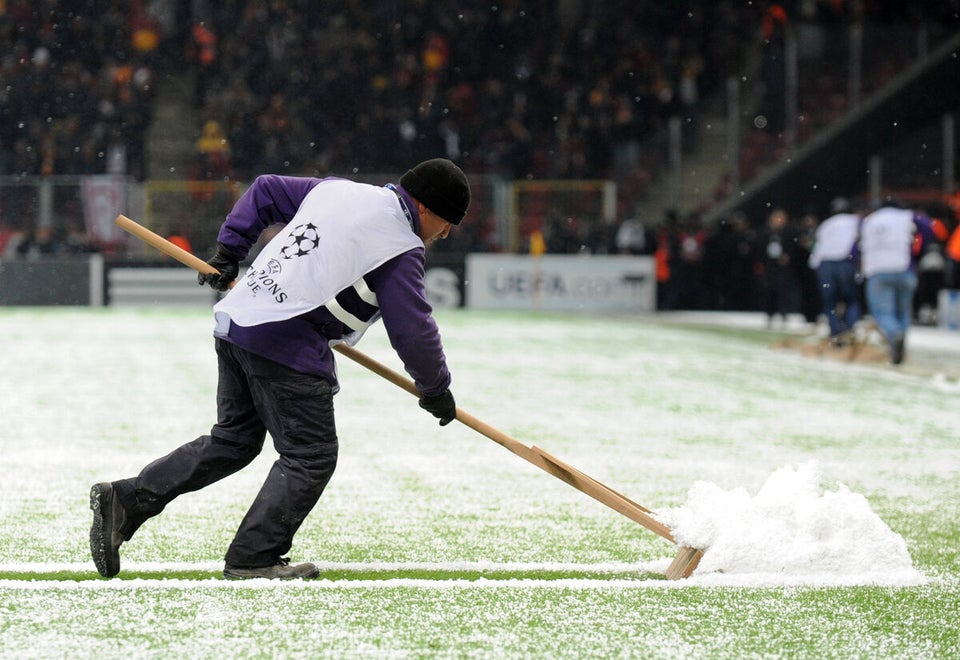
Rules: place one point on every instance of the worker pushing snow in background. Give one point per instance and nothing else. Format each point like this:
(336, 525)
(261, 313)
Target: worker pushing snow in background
(888, 245)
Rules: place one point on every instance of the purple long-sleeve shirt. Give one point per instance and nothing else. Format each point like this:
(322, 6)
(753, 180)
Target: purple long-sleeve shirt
(302, 342)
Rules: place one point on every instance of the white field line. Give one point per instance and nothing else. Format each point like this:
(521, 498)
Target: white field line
(757, 580)
(154, 567)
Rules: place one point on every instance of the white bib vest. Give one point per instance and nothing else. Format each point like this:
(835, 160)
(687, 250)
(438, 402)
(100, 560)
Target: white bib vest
(341, 231)
(886, 239)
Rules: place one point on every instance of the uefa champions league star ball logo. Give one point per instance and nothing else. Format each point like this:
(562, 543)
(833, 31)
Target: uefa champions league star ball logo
(301, 241)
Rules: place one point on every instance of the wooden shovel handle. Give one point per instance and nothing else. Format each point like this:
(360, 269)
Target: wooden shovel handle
(163, 245)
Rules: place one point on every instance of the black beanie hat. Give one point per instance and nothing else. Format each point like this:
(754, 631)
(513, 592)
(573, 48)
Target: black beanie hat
(441, 186)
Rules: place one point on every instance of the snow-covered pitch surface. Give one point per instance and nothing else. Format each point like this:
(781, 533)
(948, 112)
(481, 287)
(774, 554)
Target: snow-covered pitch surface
(720, 436)
(794, 472)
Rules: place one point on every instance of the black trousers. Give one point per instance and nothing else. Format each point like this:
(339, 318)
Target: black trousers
(254, 396)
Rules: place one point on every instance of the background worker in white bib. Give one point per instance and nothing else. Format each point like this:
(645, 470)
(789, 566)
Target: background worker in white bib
(348, 255)
(889, 248)
(836, 259)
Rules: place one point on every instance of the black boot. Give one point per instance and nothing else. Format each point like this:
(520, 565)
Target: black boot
(109, 530)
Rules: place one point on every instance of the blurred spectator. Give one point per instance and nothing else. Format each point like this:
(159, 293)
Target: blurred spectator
(42, 242)
(776, 259)
(688, 96)
(275, 125)
(202, 53)
(728, 265)
(952, 266)
(212, 157)
(931, 270)
(808, 287)
(178, 237)
(77, 240)
(10, 238)
(664, 257)
(564, 234)
(774, 26)
(686, 269)
(633, 237)
(743, 280)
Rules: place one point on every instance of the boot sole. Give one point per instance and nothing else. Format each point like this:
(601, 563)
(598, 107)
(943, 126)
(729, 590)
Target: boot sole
(242, 574)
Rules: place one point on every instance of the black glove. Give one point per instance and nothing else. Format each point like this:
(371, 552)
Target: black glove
(441, 406)
(227, 264)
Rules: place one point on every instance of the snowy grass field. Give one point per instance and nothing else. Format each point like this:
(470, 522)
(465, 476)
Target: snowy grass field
(436, 542)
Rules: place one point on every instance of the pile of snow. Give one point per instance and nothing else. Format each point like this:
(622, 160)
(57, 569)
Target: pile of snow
(790, 529)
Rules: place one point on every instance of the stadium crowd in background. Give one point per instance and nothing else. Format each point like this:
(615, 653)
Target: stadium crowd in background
(524, 89)
(541, 89)
(536, 88)
(76, 87)
(533, 89)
